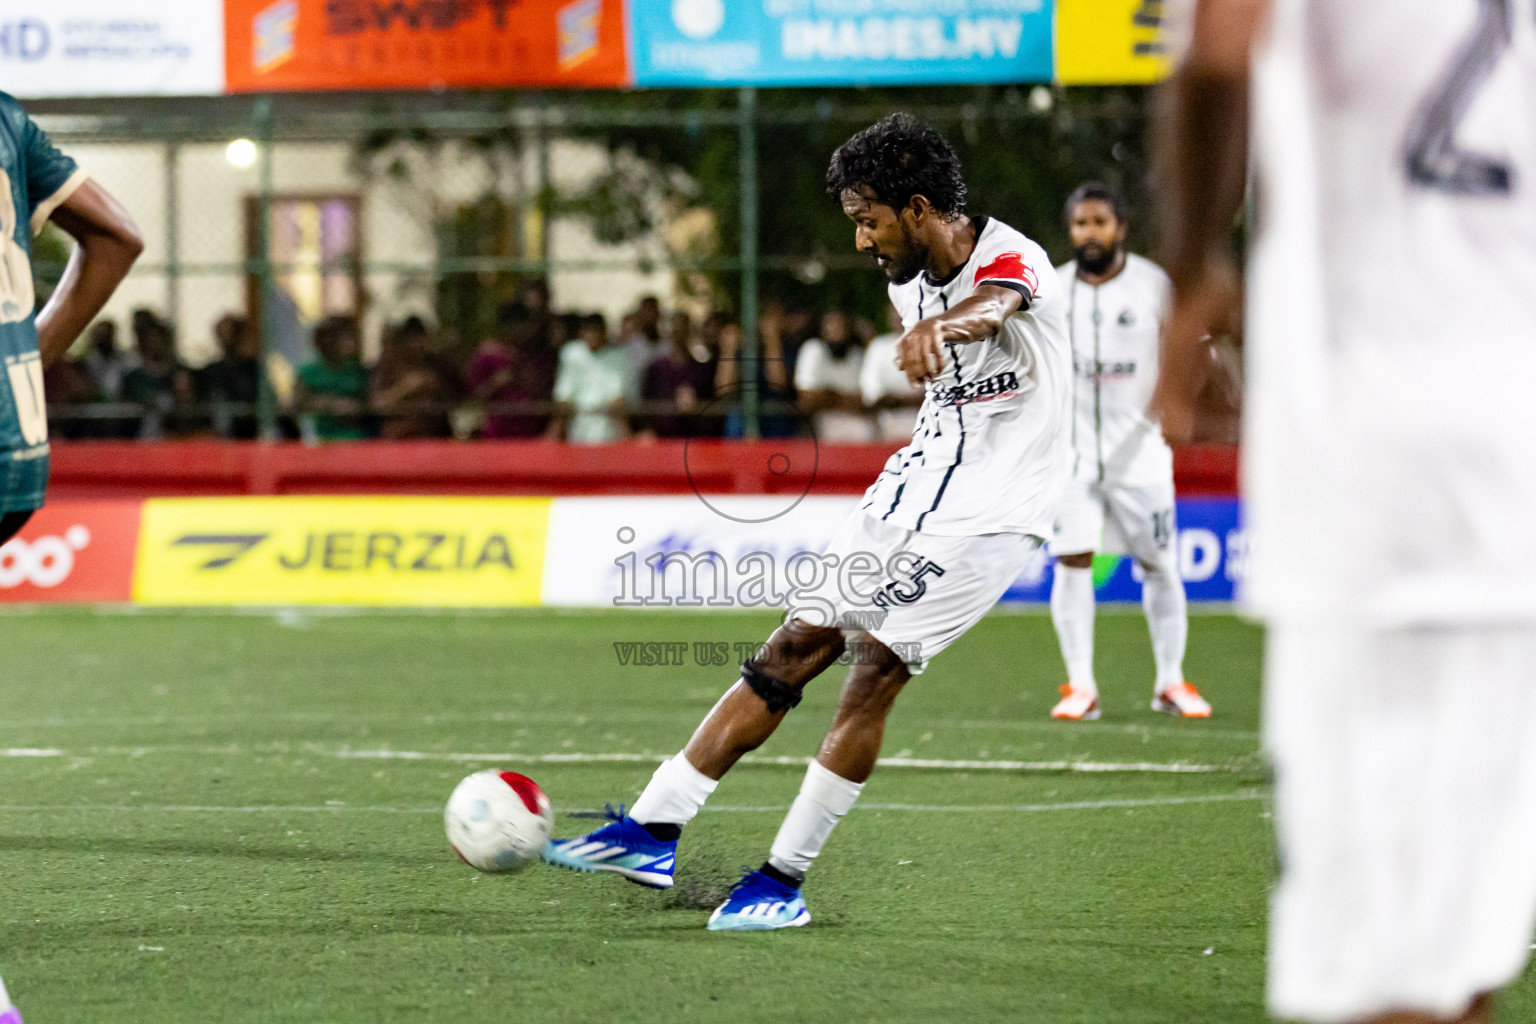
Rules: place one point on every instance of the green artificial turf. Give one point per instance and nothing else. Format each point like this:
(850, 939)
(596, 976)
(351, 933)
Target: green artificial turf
(219, 825)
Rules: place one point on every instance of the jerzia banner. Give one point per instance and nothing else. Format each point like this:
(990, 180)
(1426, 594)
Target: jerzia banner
(207, 47)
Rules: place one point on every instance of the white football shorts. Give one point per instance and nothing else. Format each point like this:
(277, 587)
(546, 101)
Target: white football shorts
(1110, 519)
(1406, 815)
(914, 592)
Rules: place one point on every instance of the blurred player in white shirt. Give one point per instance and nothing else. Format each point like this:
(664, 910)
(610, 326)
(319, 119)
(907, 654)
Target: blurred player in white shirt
(1120, 497)
(1388, 475)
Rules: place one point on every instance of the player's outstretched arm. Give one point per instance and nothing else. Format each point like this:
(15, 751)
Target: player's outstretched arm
(1203, 171)
(920, 352)
(107, 243)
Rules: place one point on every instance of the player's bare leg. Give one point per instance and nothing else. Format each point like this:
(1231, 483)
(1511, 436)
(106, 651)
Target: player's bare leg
(743, 719)
(1072, 612)
(769, 897)
(641, 846)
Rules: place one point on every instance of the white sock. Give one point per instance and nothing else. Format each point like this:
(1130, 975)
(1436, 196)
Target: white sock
(1162, 597)
(824, 799)
(674, 794)
(1072, 610)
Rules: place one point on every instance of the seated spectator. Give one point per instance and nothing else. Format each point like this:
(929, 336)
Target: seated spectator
(411, 389)
(161, 385)
(516, 364)
(106, 362)
(827, 379)
(331, 395)
(886, 390)
(68, 385)
(597, 383)
(231, 384)
(682, 377)
(640, 335)
(776, 416)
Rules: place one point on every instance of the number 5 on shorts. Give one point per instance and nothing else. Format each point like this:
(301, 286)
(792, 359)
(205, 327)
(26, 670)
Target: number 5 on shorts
(26, 375)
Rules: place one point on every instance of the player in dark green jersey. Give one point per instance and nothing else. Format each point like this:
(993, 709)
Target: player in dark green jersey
(39, 184)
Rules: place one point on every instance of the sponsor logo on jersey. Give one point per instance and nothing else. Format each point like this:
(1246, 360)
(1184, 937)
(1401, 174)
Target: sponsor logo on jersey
(1127, 318)
(988, 389)
(1009, 266)
(1089, 369)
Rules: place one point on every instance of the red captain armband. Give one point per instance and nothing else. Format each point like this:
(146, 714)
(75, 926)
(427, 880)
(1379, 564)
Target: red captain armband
(1009, 270)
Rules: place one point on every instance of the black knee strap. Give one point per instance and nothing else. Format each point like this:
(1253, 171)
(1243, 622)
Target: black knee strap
(777, 694)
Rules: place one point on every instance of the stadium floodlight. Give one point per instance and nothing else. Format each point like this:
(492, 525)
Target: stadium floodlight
(240, 153)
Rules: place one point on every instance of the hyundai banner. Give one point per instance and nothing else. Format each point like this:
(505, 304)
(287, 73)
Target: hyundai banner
(809, 42)
(111, 48)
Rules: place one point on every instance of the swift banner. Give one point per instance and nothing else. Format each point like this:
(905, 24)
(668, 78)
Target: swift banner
(280, 45)
(60, 48)
(834, 42)
(417, 552)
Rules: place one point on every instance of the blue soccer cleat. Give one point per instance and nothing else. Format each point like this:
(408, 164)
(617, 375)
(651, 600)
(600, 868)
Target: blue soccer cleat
(758, 903)
(622, 846)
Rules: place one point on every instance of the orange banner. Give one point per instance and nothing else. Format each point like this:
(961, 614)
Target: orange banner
(299, 45)
(77, 551)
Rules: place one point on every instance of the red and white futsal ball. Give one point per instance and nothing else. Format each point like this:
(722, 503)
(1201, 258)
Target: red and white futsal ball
(498, 821)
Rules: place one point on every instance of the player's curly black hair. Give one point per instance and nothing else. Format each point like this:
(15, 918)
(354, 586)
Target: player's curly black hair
(896, 158)
(1103, 193)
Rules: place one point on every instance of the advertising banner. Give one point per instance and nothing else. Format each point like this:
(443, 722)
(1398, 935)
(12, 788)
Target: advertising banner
(72, 551)
(60, 48)
(811, 42)
(282, 45)
(1212, 557)
(1109, 42)
(418, 552)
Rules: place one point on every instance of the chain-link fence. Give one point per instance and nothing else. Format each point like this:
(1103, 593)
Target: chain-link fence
(410, 265)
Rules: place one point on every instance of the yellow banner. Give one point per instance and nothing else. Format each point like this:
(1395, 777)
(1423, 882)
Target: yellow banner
(423, 552)
(1110, 42)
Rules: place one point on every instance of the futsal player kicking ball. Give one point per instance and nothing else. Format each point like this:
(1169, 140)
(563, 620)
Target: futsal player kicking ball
(1388, 472)
(951, 521)
(38, 184)
(1121, 468)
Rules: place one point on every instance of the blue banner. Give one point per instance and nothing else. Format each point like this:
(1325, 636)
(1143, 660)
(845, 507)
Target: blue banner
(1211, 559)
(839, 42)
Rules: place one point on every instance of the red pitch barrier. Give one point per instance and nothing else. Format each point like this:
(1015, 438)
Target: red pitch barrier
(127, 469)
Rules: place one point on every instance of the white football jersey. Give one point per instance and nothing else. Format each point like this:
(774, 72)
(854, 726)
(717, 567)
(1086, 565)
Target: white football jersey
(989, 452)
(1389, 468)
(1114, 329)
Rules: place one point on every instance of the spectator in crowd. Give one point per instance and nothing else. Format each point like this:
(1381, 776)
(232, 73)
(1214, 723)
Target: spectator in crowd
(887, 392)
(331, 396)
(161, 385)
(640, 334)
(231, 384)
(682, 377)
(106, 362)
(67, 385)
(596, 383)
(411, 389)
(777, 418)
(516, 364)
(827, 379)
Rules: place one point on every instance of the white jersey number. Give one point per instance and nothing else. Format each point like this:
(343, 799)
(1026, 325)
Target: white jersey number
(1433, 159)
(26, 374)
(16, 296)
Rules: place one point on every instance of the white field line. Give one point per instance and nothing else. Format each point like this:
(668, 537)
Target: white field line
(1191, 731)
(339, 808)
(509, 757)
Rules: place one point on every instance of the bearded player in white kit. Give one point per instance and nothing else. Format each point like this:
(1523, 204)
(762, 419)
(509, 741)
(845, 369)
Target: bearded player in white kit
(950, 523)
(1389, 479)
(1121, 485)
